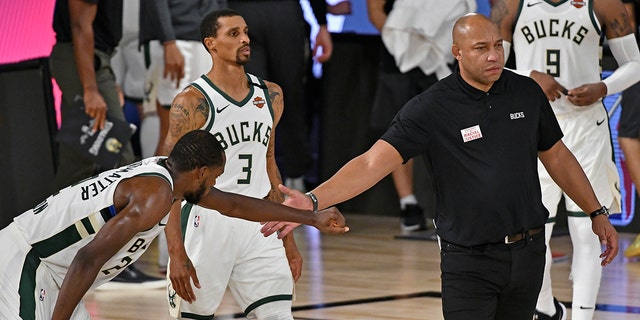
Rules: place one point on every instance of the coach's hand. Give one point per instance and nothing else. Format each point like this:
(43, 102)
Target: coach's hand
(608, 236)
(282, 227)
(294, 199)
(328, 221)
(181, 273)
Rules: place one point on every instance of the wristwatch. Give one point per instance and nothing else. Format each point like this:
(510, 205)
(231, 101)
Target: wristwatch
(602, 211)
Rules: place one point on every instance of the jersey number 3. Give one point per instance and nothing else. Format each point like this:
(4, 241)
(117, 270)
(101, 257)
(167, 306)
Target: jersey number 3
(248, 159)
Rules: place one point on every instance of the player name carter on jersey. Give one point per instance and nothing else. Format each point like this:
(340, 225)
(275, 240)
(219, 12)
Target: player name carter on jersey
(67, 221)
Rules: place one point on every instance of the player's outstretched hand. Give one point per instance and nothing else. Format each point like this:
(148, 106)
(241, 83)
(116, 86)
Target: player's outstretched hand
(608, 236)
(330, 220)
(181, 273)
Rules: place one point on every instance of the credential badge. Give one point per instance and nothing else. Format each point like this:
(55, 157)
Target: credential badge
(471, 133)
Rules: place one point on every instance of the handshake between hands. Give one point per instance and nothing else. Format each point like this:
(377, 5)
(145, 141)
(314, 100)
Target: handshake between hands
(329, 220)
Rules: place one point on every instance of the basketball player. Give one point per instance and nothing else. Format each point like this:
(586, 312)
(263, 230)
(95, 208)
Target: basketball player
(557, 43)
(241, 111)
(85, 234)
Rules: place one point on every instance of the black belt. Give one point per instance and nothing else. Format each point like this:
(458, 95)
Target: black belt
(519, 236)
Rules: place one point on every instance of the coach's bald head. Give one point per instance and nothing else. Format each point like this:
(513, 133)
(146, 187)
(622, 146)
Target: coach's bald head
(477, 45)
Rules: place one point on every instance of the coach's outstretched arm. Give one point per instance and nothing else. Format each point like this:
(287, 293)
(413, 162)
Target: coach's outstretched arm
(355, 177)
(239, 206)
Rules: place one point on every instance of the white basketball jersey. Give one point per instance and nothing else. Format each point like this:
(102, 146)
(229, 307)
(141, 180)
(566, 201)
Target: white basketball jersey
(244, 129)
(561, 39)
(67, 221)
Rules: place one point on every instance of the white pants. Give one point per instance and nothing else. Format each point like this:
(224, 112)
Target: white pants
(230, 251)
(29, 288)
(588, 137)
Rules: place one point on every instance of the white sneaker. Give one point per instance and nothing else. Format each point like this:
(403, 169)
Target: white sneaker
(133, 279)
(561, 312)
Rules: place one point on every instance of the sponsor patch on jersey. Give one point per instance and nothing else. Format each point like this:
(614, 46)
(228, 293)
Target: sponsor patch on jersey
(471, 133)
(43, 293)
(259, 102)
(578, 3)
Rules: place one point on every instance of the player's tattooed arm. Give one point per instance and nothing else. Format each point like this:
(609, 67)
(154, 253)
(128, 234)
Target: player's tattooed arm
(275, 178)
(189, 111)
(277, 104)
(498, 11)
(275, 195)
(275, 97)
(614, 17)
(503, 15)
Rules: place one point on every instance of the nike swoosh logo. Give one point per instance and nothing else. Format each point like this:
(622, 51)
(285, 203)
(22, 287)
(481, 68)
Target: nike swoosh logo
(600, 122)
(585, 308)
(531, 4)
(162, 224)
(220, 110)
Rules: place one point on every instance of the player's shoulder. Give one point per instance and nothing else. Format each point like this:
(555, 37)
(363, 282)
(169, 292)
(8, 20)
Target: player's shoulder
(613, 15)
(149, 185)
(505, 8)
(273, 87)
(190, 96)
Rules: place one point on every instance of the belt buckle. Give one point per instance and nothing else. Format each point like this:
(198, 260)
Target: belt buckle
(506, 240)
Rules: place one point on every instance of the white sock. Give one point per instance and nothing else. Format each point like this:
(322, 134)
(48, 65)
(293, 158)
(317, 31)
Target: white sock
(586, 270)
(410, 199)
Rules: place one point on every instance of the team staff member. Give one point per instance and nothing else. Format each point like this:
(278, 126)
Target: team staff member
(481, 141)
(87, 32)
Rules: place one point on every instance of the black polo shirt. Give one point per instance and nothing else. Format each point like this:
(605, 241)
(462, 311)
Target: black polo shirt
(107, 25)
(482, 150)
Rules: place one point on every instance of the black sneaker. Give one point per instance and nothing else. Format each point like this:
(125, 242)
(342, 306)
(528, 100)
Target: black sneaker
(412, 219)
(561, 312)
(132, 278)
